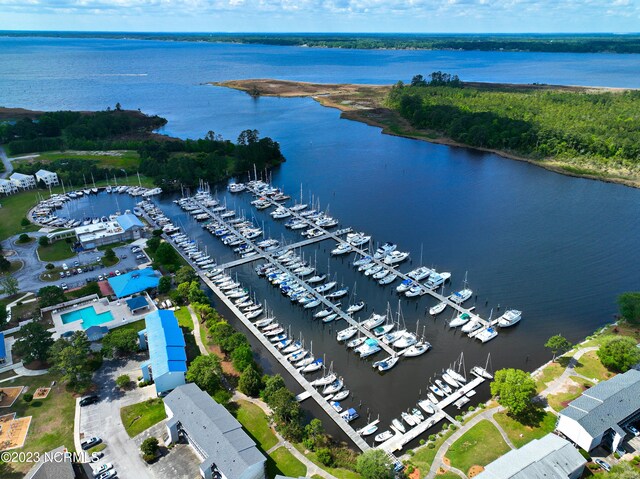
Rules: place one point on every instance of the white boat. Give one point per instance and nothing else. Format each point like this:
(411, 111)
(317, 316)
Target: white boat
(369, 429)
(417, 349)
(406, 285)
(356, 342)
(437, 309)
(384, 250)
(461, 402)
(347, 333)
(354, 308)
(369, 347)
(449, 380)
(398, 425)
(383, 330)
(457, 376)
(481, 372)
(395, 257)
(486, 335)
(357, 239)
(341, 395)
(341, 248)
(326, 287)
(509, 318)
(373, 321)
(373, 269)
(331, 317)
(312, 304)
(324, 380)
(384, 436)
(381, 274)
(461, 319)
(349, 415)
(334, 404)
(338, 294)
(437, 279)
(264, 322)
(436, 390)
(416, 290)
(362, 261)
(254, 314)
(443, 386)
(332, 388)
(408, 418)
(386, 363)
(427, 406)
(420, 273)
(317, 278)
(471, 326)
(432, 398)
(461, 296)
(314, 366)
(404, 341)
(388, 279)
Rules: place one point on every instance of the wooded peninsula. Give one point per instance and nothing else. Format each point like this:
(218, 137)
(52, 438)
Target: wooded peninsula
(579, 131)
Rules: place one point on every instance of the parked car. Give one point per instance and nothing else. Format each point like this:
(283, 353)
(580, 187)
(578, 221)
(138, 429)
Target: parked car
(62, 275)
(118, 273)
(135, 249)
(107, 475)
(92, 399)
(111, 274)
(140, 256)
(96, 456)
(64, 266)
(80, 271)
(89, 443)
(633, 430)
(602, 464)
(76, 263)
(124, 256)
(68, 274)
(98, 259)
(64, 286)
(107, 466)
(100, 278)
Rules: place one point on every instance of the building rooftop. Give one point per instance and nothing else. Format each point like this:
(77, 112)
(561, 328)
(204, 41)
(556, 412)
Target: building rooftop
(128, 221)
(545, 458)
(3, 351)
(134, 282)
(137, 303)
(606, 404)
(20, 176)
(52, 469)
(44, 173)
(96, 333)
(4, 181)
(214, 430)
(166, 343)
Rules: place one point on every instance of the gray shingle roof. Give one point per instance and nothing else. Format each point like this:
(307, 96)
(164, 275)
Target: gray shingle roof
(606, 404)
(214, 430)
(52, 469)
(545, 458)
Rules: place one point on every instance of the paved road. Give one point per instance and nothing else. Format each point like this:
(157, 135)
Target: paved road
(29, 276)
(560, 383)
(103, 419)
(8, 167)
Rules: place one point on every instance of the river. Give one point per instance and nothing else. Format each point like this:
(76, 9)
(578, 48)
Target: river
(556, 247)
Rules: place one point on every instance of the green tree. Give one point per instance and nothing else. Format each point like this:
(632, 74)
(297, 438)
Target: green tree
(185, 274)
(50, 296)
(24, 238)
(43, 241)
(50, 266)
(324, 456)
(619, 354)
(242, 357)
(271, 385)
(109, 254)
(558, 344)
(287, 414)
(120, 342)
(205, 372)
(515, 389)
(183, 291)
(165, 254)
(28, 397)
(623, 470)
(24, 222)
(374, 464)
(9, 285)
(164, 286)
(196, 295)
(250, 381)
(314, 434)
(220, 332)
(123, 381)
(629, 304)
(69, 359)
(153, 243)
(34, 343)
(149, 448)
(233, 342)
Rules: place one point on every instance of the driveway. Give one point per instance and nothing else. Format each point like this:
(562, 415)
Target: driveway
(103, 419)
(29, 276)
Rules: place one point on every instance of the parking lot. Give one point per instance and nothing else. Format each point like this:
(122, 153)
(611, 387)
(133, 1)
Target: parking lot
(103, 419)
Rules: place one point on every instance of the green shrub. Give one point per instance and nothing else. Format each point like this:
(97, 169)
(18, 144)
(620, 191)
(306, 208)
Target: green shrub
(431, 445)
(28, 397)
(432, 437)
(324, 456)
(422, 442)
(123, 381)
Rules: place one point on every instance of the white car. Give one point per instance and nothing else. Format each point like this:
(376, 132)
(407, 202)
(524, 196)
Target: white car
(64, 286)
(100, 278)
(64, 266)
(102, 469)
(118, 273)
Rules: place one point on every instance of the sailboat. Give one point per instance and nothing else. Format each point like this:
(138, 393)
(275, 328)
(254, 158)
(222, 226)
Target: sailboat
(463, 295)
(386, 363)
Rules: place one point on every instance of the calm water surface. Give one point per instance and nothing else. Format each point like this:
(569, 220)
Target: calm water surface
(558, 248)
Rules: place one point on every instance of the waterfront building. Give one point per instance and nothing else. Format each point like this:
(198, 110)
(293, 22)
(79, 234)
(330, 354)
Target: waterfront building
(7, 187)
(22, 181)
(121, 228)
(134, 282)
(49, 178)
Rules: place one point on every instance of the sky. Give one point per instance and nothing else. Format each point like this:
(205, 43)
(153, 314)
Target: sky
(423, 16)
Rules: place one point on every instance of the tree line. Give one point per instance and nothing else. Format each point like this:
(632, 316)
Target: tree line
(600, 128)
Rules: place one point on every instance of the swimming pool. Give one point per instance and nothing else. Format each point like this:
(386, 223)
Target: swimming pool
(88, 316)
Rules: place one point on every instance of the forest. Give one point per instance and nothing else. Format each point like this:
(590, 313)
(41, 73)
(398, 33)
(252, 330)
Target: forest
(170, 162)
(600, 127)
(570, 43)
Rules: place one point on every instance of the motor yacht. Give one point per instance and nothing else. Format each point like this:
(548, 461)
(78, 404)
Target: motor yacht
(509, 318)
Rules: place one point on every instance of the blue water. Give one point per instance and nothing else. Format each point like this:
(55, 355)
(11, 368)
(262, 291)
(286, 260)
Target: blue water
(88, 316)
(556, 247)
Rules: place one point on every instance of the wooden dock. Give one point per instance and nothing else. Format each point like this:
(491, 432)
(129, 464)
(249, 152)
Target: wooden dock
(309, 391)
(399, 440)
(392, 269)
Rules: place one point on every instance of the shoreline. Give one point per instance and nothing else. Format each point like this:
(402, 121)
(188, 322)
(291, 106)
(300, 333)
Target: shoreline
(374, 113)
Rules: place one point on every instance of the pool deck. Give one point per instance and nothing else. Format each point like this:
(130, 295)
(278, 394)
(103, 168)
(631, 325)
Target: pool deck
(119, 311)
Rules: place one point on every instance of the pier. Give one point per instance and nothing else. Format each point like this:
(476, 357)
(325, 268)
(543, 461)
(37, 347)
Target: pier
(399, 440)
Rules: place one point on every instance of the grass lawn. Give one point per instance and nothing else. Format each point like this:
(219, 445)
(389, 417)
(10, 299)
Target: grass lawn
(51, 422)
(110, 262)
(114, 245)
(100, 447)
(140, 417)
(591, 367)
(15, 266)
(622, 329)
(135, 326)
(521, 434)
(285, 464)
(21, 312)
(423, 456)
(480, 445)
(338, 472)
(55, 251)
(110, 159)
(184, 318)
(255, 421)
(559, 401)
(15, 207)
(548, 374)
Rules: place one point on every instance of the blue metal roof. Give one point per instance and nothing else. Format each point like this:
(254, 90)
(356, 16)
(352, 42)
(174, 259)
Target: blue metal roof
(128, 221)
(166, 343)
(134, 282)
(137, 303)
(3, 351)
